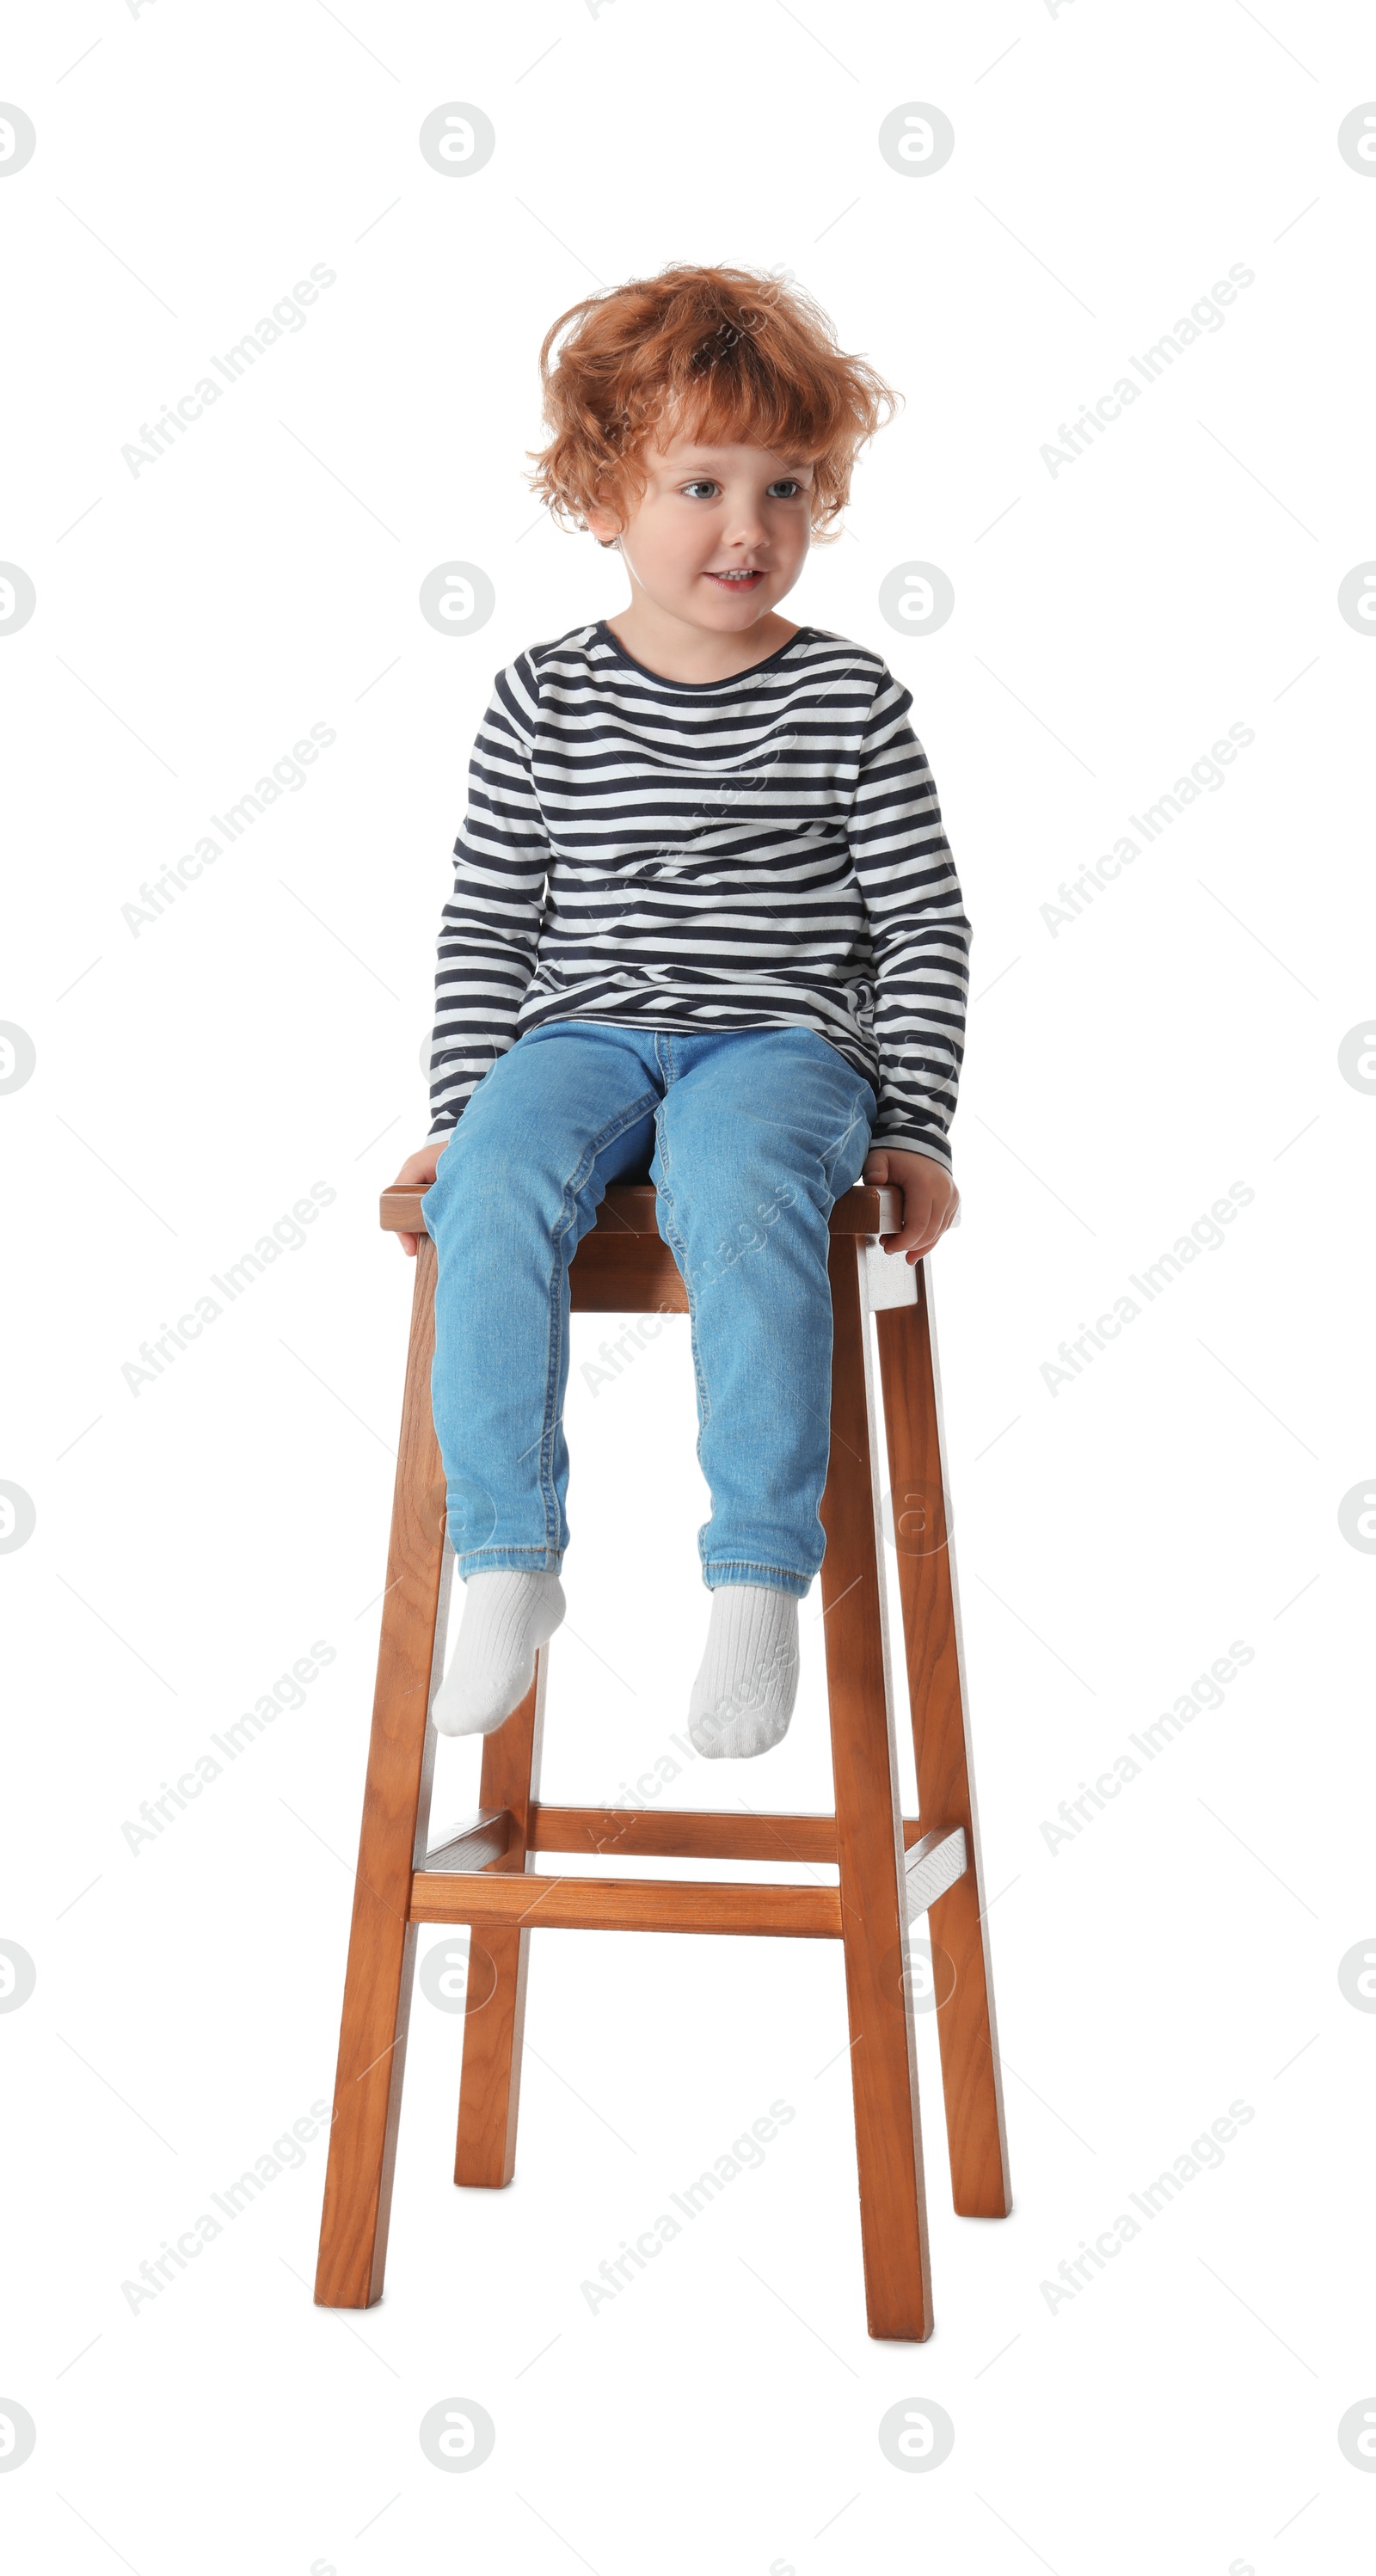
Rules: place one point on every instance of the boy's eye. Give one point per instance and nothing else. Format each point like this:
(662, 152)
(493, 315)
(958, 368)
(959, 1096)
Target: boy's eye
(787, 484)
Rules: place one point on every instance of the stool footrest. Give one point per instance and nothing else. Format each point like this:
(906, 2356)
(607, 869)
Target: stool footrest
(691, 1833)
(471, 1845)
(933, 1865)
(530, 1903)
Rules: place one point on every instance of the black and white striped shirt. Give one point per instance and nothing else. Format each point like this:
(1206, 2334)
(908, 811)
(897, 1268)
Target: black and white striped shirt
(764, 851)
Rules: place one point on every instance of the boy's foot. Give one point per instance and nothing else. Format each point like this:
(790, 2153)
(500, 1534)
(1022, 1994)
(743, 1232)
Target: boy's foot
(506, 1615)
(743, 1697)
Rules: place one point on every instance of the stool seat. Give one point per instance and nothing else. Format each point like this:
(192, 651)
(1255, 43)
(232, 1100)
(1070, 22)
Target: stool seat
(630, 1209)
(892, 1869)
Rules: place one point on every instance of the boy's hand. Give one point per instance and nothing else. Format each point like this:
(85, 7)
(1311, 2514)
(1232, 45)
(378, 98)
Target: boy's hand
(930, 1198)
(418, 1169)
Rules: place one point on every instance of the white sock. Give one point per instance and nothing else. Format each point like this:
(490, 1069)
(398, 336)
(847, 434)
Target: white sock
(506, 1615)
(743, 1697)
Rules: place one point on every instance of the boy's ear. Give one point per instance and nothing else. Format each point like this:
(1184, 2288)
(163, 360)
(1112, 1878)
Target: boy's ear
(598, 517)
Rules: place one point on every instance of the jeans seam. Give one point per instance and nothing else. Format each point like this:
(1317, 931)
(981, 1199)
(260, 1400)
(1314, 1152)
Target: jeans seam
(467, 1554)
(860, 1118)
(758, 1564)
(753, 1565)
(558, 1272)
(680, 1252)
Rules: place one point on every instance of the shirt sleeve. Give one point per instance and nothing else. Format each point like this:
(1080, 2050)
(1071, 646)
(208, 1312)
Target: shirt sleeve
(918, 931)
(490, 926)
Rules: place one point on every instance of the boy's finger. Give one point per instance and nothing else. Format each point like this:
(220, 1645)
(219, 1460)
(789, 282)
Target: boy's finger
(919, 1236)
(930, 1237)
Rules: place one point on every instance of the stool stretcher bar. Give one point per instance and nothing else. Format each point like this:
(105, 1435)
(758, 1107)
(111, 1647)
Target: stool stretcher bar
(662, 1833)
(933, 1865)
(534, 1902)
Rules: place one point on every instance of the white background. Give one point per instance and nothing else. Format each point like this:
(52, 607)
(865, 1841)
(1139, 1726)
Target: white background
(192, 1540)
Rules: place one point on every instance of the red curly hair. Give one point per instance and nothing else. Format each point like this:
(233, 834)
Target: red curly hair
(728, 356)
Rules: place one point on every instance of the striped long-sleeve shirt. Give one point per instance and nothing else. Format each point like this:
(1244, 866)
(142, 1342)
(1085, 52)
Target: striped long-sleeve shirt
(764, 851)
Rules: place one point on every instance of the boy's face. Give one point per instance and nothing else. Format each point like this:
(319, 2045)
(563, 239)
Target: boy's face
(709, 512)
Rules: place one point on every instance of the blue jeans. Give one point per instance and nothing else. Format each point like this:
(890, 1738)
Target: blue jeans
(754, 1134)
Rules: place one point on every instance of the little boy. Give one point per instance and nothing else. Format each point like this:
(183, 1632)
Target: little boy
(705, 930)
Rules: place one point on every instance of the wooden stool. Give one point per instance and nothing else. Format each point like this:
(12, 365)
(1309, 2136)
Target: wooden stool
(892, 1868)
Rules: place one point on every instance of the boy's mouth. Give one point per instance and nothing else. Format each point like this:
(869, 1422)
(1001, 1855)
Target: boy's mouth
(737, 580)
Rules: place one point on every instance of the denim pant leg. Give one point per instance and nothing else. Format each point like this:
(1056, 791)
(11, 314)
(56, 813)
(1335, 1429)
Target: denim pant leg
(759, 1134)
(563, 1112)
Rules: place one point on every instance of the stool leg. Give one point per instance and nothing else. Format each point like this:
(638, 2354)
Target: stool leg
(869, 1838)
(396, 1818)
(490, 2084)
(975, 2128)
